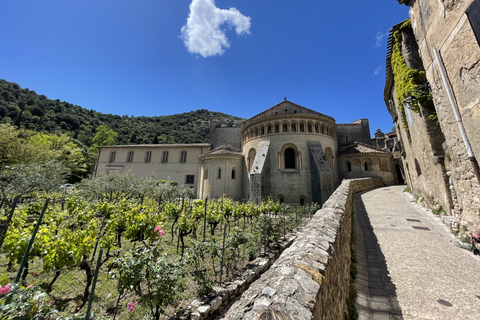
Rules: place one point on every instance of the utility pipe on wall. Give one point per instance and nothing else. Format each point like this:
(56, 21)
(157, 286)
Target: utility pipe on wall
(453, 103)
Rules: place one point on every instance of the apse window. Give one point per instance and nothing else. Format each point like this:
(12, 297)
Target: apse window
(290, 159)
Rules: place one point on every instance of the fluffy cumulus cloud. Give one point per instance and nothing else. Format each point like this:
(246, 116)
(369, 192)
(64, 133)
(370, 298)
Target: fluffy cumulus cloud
(204, 32)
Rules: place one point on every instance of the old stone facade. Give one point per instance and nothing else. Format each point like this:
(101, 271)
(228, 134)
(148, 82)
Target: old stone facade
(441, 46)
(288, 152)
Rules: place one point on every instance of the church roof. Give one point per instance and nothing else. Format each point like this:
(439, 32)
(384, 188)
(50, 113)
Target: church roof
(284, 107)
(359, 147)
(223, 150)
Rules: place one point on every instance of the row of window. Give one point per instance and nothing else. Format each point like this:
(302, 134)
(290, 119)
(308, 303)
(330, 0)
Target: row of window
(367, 165)
(309, 127)
(233, 174)
(301, 199)
(148, 156)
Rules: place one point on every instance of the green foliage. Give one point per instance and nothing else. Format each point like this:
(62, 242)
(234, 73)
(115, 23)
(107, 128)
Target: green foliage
(26, 303)
(407, 80)
(23, 179)
(197, 255)
(151, 274)
(438, 210)
(44, 115)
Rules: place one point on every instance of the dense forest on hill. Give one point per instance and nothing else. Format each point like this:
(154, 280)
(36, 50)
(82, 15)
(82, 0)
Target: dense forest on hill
(26, 109)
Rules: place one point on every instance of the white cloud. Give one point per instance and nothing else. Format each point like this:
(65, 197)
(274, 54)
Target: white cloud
(378, 39)
(204, 32)
(377, 71)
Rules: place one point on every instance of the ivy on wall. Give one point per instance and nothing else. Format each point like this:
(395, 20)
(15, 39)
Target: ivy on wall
(409, 80)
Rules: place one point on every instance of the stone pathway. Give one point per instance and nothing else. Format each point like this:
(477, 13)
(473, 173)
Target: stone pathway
(409, 264)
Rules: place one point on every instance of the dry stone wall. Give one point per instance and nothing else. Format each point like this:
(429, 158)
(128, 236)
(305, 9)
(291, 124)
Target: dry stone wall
(310, 279)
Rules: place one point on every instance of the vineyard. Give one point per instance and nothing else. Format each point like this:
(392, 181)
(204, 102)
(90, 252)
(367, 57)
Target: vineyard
(121, 247)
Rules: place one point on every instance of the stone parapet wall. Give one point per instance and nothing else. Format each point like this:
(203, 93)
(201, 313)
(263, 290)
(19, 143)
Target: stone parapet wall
(310, 280)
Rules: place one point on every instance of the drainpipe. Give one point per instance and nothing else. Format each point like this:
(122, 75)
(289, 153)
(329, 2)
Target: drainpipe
(446, 84)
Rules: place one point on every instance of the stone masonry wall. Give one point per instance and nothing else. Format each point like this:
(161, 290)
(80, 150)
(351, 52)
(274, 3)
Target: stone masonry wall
(310, 280)
(443, 25)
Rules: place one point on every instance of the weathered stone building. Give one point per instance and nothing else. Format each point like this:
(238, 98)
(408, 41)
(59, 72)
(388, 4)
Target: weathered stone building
(435, 59)
(288, 152)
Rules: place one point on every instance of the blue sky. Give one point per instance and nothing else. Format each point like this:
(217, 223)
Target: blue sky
(240, 57)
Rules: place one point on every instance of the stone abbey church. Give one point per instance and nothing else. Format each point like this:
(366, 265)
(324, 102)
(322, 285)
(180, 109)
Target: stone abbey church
(288, 152)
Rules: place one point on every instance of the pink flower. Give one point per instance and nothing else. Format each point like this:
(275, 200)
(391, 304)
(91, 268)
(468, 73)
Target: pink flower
(157, 228)
(161, 232)
(223, 227)
(132, 306)
(5, 289)
(221, 245)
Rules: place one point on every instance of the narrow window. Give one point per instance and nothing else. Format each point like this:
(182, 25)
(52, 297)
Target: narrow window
(112, 156)
(189, 179)
(130, 156)
(290, 158)
(165, 157)
(302, 200)
(219, 175)
(183, 156)
(349, 166)
(233, 173)
(148, 156)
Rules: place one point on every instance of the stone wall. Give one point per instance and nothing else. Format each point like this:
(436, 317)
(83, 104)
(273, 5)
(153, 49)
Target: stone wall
(219, 136)
(444, 26)
(310, 280)
(356, 131)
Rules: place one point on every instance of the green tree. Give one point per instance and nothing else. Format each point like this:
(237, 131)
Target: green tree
(104, 137)
(60, 148)
(23, 179)
(14, 149)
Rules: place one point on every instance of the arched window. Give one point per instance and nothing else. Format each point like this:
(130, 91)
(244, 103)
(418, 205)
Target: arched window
(302, 200)
(302, 127)
(219, 173)
(281, 198)
(367, 165)
(233, 174)
(277, 128)
(290, 162)
(293, 127)
(285, 127)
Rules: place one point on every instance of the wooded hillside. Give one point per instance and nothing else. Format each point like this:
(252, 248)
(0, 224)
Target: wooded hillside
(26, 109)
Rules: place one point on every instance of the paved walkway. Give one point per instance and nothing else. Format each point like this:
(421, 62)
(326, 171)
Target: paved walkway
(409, 265)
